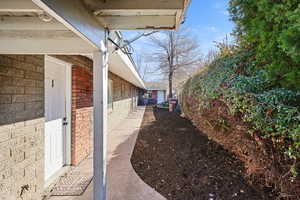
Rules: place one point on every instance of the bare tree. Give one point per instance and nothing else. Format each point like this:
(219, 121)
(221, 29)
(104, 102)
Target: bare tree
(175, 53)
(142, 67)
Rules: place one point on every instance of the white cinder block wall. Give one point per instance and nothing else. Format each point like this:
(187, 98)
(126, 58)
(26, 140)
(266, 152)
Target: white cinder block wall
(21, 127)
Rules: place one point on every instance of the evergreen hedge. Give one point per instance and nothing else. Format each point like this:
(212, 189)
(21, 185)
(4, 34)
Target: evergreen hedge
(271, 30)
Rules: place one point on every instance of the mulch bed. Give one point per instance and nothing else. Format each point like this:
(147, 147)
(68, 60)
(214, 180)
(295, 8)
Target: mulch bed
(181, 163)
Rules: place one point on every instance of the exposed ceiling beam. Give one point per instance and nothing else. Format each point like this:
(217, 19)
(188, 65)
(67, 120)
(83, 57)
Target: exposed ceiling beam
(140, 22)
(139, 14)
(45, 34)
(179, 18)
(29, 23)
(42, 42)
(135, 4)
(18, 6)
(135, 12)
(74, 15)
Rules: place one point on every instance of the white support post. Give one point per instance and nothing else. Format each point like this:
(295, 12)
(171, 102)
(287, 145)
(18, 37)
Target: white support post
(100, 60)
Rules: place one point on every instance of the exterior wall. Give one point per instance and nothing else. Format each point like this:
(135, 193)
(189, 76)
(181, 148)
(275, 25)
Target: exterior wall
(22, 119)
(82, 113)
(21, 127)
(124, 101)
(125, 97)
(154, 94)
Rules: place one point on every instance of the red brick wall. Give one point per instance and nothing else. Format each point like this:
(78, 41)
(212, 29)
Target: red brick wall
(82, 112)
(154, 94)
(82, 104)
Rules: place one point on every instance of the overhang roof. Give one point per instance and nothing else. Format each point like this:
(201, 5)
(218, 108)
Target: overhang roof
(122, 64)
(138, 14)
(77, 26)
(134, 14)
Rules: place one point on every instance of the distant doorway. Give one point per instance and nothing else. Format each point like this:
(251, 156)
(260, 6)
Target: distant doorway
(160, 97)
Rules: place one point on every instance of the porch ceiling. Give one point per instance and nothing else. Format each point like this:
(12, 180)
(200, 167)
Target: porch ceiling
(86, 18)
(25, 29)
(138, 14)
(78, 27)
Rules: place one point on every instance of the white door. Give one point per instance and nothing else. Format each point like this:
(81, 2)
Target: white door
(160, 97)
(55, 116)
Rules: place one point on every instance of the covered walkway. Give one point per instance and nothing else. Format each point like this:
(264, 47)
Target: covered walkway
(123, 182)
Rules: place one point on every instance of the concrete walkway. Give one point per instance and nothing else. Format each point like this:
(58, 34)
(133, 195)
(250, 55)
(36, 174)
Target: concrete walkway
(123, 182)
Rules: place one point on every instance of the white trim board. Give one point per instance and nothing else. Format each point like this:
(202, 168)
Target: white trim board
(41, 46)
(68, 153)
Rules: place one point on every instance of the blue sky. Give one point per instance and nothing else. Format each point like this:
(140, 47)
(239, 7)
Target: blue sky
(208, 21)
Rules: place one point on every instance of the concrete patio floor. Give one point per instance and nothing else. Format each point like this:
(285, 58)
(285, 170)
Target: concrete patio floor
(123, 182)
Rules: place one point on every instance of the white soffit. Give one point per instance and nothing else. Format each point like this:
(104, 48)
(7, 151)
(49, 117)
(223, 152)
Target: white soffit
(74, 15)
(25, 29)
(120, 64)
(139, 14)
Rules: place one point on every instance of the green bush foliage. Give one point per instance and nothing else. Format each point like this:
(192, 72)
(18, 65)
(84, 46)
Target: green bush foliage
(273, 112)
(271, 30)
(258, 78)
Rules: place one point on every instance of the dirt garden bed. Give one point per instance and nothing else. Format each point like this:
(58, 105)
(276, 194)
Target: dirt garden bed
(181, 163)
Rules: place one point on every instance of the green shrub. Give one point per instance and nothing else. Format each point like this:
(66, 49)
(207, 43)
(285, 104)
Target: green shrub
(273, 112)
(271, 30)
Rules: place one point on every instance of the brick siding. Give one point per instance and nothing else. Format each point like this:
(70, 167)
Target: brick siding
(82, 112)
(124, 101)
(22, 119)
(21, 127)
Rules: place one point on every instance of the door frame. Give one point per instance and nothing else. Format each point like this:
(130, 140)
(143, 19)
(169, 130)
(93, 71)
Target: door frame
(68, 135)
